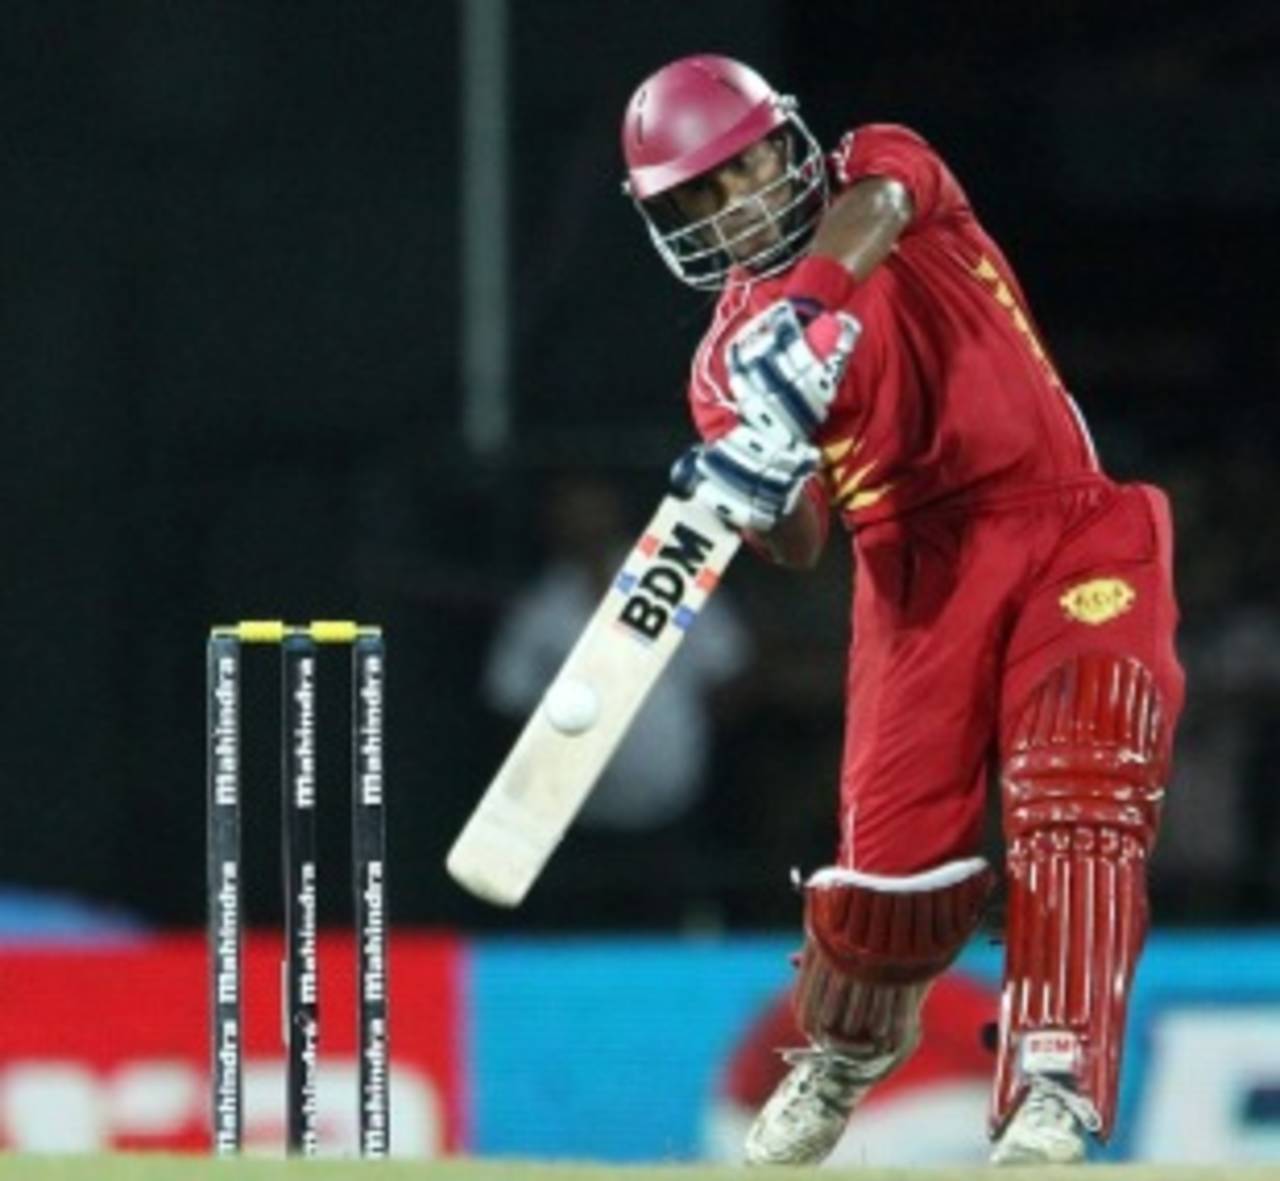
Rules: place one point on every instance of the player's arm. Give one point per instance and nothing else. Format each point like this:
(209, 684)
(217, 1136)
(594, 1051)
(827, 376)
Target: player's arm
(798, 539)
(890, 180)
(863, 225)
(854, 237)
(786, 365)
(757, 476)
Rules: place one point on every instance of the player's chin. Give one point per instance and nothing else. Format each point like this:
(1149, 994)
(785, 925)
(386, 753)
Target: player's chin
(749, 248)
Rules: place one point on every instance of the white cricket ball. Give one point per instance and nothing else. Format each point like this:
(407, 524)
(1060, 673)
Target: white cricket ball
(572, 706)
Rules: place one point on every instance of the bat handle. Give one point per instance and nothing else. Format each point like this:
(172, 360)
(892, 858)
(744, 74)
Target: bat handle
(684, 472)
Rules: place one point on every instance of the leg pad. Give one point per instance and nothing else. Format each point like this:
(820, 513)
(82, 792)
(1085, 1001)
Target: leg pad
(873, 944)
(1085, 765)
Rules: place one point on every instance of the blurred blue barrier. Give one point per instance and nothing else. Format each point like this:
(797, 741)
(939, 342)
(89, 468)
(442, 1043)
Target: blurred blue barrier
(610, 1049)
(607, 1049)
(27, 916)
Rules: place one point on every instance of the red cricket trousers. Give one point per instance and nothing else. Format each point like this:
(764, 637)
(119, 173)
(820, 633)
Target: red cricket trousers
(958, 613)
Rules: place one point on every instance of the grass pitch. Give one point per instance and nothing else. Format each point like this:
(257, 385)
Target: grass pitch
(172, 1168)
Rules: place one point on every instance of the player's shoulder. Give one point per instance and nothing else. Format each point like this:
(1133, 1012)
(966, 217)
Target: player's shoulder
(903, 154)
(865, 143)
(898, 134)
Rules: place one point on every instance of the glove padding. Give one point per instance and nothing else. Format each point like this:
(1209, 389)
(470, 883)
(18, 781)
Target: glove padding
(750, 477)
(784, 372)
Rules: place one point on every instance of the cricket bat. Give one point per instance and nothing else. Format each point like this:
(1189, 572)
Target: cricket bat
(654, 599)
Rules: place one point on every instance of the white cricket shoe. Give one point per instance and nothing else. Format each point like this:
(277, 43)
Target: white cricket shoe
(1050, 1127)
(808, 1111)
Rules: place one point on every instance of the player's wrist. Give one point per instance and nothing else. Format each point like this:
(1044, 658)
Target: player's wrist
(820, 283)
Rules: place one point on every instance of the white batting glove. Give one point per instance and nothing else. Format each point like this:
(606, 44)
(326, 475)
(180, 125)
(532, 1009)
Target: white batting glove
(750, 478)
(785, 373)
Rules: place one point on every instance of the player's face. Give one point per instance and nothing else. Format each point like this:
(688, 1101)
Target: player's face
(741, 195)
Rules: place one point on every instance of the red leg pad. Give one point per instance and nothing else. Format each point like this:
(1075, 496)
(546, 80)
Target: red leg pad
(1085, 766)
(872, 946)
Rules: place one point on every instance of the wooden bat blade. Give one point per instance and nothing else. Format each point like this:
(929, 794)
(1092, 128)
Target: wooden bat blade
(586, 711)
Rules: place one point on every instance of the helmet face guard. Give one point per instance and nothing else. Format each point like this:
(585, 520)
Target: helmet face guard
(783, 213)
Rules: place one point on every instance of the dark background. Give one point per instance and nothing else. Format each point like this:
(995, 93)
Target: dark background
(230, 373)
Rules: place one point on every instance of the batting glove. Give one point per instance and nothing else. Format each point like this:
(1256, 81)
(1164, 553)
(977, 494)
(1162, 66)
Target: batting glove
(750, 477)
(785, 367)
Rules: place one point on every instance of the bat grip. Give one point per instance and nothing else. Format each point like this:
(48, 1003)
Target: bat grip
(684, 472)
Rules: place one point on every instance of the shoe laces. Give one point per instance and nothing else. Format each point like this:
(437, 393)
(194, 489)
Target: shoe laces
(822, 1077)
(829, 1077)
(1047, 1099)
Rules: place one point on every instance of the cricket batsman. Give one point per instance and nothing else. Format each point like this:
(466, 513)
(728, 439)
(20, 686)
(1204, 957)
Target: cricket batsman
(872, 354)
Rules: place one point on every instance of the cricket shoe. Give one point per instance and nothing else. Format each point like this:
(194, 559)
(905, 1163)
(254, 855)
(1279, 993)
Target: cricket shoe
(1050, 1127)
(808, 1111)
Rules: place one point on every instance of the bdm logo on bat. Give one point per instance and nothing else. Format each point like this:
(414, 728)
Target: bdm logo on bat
(656, 597)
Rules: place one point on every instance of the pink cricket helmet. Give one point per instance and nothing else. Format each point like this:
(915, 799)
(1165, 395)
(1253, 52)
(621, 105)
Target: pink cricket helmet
(694, 115)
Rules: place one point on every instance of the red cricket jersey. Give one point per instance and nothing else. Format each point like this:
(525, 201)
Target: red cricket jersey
(950, 395)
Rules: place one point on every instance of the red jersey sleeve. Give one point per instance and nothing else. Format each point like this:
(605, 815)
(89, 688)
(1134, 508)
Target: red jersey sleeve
(711, 417)
(886, 149)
